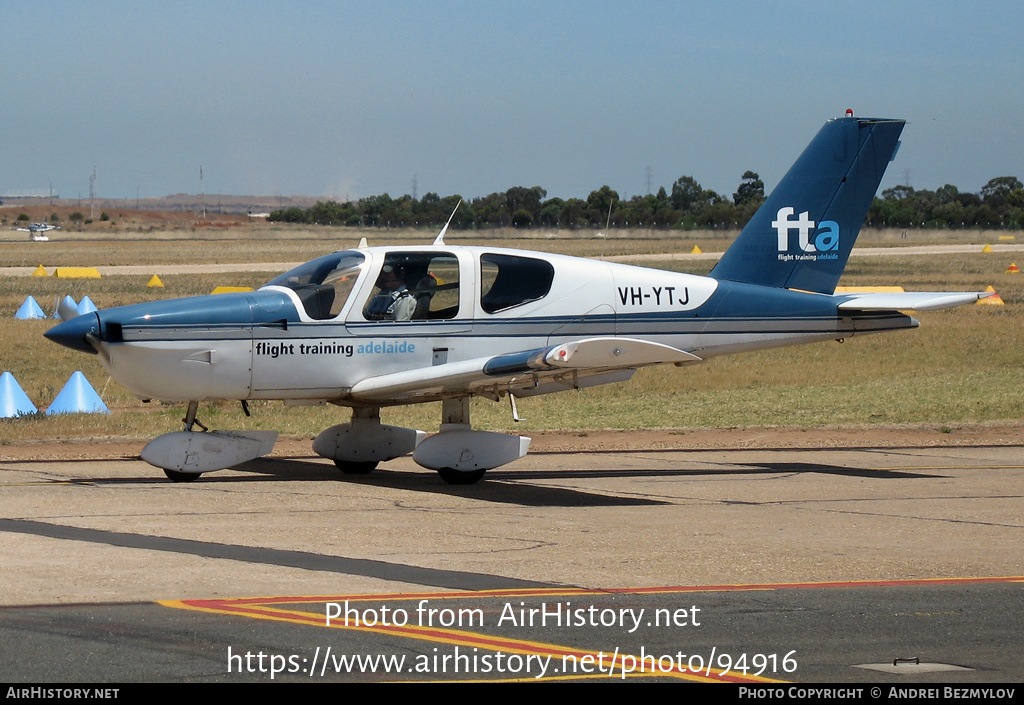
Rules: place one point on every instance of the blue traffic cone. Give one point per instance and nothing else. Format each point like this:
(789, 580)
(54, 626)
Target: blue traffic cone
(86, 306)
(78, 397)
(66, 309)
(13, 400)
(29, 309)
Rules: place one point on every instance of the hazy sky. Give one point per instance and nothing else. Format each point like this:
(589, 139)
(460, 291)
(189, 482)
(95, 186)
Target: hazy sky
(358, 98)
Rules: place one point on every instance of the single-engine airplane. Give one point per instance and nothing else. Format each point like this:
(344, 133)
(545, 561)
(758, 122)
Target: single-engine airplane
(378, 326)
(36, 230)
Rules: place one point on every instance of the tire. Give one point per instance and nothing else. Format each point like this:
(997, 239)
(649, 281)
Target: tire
(176, 476)
(353, 468)
(461, 477)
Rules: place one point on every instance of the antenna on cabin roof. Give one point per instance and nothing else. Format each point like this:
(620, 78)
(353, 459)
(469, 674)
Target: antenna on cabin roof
(439, 240)
(92, 194)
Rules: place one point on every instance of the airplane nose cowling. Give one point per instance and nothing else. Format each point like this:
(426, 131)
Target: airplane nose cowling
(72, 334)
(192, 349)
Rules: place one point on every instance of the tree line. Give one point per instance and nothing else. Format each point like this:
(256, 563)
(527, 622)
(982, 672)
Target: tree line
(999, 205)
(686, 206)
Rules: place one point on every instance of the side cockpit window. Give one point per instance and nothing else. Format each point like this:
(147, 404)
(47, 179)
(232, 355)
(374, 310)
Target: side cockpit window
(507, 281)
(415, 286)
(324, 284)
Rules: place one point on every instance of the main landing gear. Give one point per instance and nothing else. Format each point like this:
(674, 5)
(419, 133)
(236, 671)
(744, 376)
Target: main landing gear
(356, 447)
(460, 455)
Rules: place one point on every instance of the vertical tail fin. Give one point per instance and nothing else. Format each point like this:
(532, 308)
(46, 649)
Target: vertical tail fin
(801, 237)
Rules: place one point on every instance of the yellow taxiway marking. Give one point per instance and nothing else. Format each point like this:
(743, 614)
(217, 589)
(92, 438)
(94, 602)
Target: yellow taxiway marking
(274, 608)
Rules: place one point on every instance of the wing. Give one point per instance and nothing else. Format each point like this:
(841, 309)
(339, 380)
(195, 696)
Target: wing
(572, 365)
(911, 301)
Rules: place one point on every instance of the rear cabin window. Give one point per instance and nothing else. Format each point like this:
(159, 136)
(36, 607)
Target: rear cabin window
(507, 281)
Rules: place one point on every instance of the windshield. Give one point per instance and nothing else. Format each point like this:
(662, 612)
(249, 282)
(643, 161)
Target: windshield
(323, 284)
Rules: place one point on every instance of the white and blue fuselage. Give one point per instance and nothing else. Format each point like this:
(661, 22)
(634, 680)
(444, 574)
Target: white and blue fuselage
(267, 345)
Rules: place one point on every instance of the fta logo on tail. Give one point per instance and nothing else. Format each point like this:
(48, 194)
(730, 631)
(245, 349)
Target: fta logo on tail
(824, 238)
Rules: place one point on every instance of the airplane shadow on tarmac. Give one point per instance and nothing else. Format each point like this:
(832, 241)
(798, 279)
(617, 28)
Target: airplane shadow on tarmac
(511, 486)
(504, 486)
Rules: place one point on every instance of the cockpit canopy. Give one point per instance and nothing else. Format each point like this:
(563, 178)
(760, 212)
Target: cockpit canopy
(323, 284)
(417, 285)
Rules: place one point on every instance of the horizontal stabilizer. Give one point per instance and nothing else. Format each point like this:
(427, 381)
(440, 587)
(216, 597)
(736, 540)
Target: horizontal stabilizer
(912, 301)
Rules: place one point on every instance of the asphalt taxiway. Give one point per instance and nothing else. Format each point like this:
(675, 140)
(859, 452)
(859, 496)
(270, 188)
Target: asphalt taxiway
(818, 562)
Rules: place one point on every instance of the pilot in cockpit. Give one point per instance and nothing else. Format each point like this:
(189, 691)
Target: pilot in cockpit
(393, 300)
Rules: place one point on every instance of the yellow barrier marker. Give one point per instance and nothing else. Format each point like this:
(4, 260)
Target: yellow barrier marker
(40, 272)
(77, 273)
(994, 300)
(1007, 237)
(1013, 268)
(230, 289)
(986, 248)
(154, 281)
(695, 251)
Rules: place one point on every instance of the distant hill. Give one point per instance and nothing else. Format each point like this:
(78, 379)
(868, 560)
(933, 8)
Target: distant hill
(179, 202)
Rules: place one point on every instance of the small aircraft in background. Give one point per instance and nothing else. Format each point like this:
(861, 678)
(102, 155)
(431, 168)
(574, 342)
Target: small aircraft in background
(373, 327)
(36, 230)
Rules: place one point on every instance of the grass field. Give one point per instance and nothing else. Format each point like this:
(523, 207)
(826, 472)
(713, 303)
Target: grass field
(964, 365)
(272, 243)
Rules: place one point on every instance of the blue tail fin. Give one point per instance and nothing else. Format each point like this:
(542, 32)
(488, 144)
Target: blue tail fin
(801, 237)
